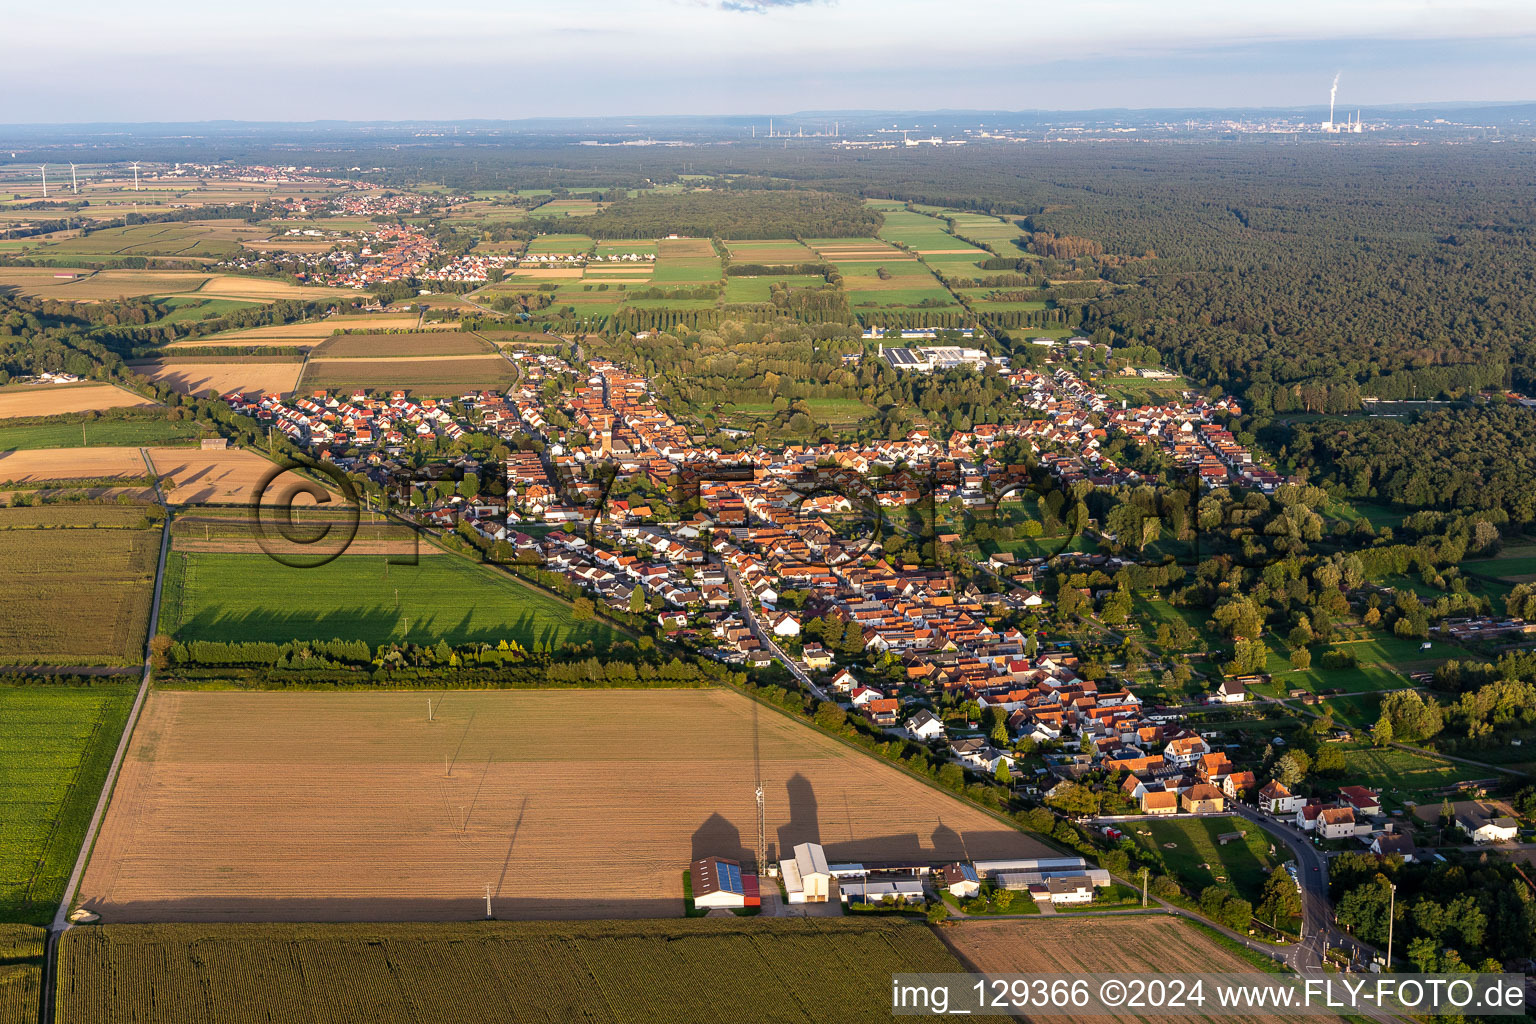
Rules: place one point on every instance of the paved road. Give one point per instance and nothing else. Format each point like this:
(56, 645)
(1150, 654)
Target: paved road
(744, 601)
(1318, 930)
(61, 922)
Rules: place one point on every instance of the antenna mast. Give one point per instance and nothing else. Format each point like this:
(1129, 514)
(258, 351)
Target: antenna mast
(762, 833)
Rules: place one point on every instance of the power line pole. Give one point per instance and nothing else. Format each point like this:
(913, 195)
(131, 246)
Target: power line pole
(1144, 873)
(1391, 913)
(487, 902)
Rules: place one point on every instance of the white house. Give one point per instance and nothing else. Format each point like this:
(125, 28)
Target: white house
(1277, 800)
(786, 625)
(1336, 822)
(1482, 829)
(925, 726)
(1231, 691)
(1185, 751)
(961, 880)
(807, 877)
(863, 695)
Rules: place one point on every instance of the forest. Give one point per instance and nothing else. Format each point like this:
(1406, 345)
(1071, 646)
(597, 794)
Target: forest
(1481, 458)
(729, 214)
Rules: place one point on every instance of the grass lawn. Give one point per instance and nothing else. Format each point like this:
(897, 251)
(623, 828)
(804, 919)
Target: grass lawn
(756, 289)
(1200, 860)
(132, 433)
(1113, 896)
(563, 244)
(1403, 774)
(56, 743)
(238, 596)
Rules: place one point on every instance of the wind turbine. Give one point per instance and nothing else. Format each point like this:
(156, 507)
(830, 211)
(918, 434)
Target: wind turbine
(45, 180)
(74, 182)
(135, 175)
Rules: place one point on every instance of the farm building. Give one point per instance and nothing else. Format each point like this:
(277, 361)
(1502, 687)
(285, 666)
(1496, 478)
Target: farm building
(718, 882)
(1018, 880)
(807, 878)
(904, 890)
(992, 868)
(961, 880)
(1068, 890)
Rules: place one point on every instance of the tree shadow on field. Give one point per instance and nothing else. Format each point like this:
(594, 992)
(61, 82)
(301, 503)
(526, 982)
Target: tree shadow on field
(718, 837)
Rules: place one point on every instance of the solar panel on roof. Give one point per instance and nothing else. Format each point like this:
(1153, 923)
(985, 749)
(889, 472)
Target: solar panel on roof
(730, 878)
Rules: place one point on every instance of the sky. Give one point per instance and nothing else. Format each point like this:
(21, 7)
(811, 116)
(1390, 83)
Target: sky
(286, 60)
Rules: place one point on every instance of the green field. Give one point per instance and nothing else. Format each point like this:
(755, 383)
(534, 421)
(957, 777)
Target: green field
(134, 433)
(756, 289)
(919, 231)
(569, 244)
(1198, 859)
(239, 596)
(190, 308)
(704, 969)
(834, 412)
(1403, 774)
(56, 743)
(1000, 235)
(21, 973)
(1516, 563)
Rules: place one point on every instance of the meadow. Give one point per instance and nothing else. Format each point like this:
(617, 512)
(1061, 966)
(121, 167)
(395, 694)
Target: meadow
(564, 244)
(297, 806)
(78, 582)
(56, 743)
(130, 432)
(244, 596)
(1198, 859)
(1404, 775)
(686, 261)
(790, 971)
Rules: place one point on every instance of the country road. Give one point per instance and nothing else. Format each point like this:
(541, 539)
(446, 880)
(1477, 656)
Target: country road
(61, 922)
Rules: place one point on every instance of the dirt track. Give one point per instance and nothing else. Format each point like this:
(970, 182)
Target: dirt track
(569, 803)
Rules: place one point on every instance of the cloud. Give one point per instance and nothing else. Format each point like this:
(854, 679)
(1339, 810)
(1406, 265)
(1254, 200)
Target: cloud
(762, 6)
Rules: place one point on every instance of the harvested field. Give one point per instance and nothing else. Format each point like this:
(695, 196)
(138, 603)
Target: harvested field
(1074, 945)
(685, 248)
(41, 282)
(770, 251)
(230, 531)
(32, 465)
(56, 399)
(386, 346)
(231, 476)
(253, 376)
(437, 377)
(75, 594)
(495, 972)
(352, 806)
(234, 286)
(309, 333)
